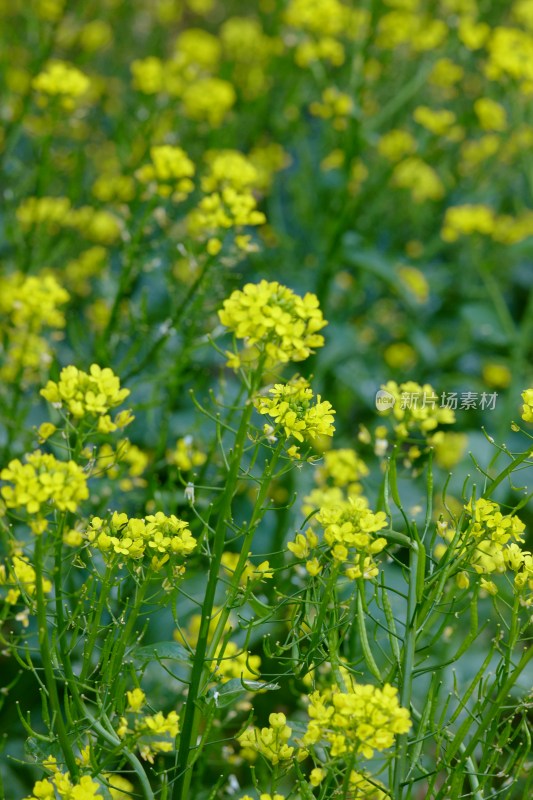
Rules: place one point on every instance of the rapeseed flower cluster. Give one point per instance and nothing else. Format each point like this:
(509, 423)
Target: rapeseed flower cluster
(111, 186)
(510, 52)
(119, 787)
(189, 75)
(416, 409)
(419, 178)
(63, 81)
(440, 122)
(470, 219)
(446, 73)
(126, 462)
(170, 171)
(50, 211)
(364, 787)
(229, 202)
(492, 115)
(396, 144)
(245, 43)
(229, 168)
(20, 577)
(355, 721)
(28, 305)
(335, 106)
(293, 409)
(49, 10)
(158, 536)
(32, 301)
(342, 467)
(185, 455)
(150, 733)
(79, 272)
(491, 543)
(55, 213)
(251, 572)
(527, 408)
(448, 448)
(271, 317)
(209, 100)
(353, 525)
(60, 785)
(412, 29)
(349, 531)
(495, 551)
(466, 220)
(41, 484)
(89, 396)
(321, 28)
(218, 212)
(229, 659)
(271, 742)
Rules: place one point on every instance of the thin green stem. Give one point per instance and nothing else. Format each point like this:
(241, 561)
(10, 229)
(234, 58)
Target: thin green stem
(113, 739)
(363, 636)
(46, 657)
(407, 666)
(245, 549)
(122, 642)
(190, 717)
(90, 643)
(183, 307)
(506, 472)
(319, 622)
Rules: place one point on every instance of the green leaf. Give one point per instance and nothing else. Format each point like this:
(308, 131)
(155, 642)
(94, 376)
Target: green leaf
(39, 750)
(226, 694)
(160, 650)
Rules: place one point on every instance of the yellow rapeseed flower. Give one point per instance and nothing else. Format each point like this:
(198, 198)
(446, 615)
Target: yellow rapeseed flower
(158, 536)
(64, 81)
(272, 317)
(357, 720)
(292, 408)
(41, 483)
(527, 408)
(90, 394)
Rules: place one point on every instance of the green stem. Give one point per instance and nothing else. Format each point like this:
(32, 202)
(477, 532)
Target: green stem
(495, 708)
(44, 647)
(506, 472)
(131, 757)
(345, 792)
(183, 307)
(60, 615)
(126, 275)
(319, 622)
(243, 557)
(190, 717)
(470, 766)
(122, 642)
(363, 636)
(73, 684)
(407, 660)
(95, 623)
